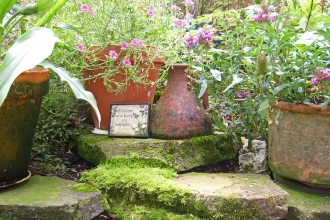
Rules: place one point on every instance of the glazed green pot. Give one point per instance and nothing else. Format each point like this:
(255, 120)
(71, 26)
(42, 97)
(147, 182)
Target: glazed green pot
(299, 143)
(18, 118)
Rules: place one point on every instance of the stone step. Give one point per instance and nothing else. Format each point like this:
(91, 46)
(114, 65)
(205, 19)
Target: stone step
(50, 198)
(182, 154)
(130, 182)
(305, 202)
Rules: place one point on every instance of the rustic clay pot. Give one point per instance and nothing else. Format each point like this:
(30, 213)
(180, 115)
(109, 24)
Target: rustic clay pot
(299, 143)
(18, 116)
(135, 93)
(177, 115)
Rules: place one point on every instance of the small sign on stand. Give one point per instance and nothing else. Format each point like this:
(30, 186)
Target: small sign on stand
(129, 120)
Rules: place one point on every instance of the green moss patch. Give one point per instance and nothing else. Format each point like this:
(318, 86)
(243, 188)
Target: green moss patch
(182, 154)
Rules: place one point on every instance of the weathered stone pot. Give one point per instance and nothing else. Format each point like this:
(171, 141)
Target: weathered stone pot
(299, 143)
(18, 117)
(176, 114)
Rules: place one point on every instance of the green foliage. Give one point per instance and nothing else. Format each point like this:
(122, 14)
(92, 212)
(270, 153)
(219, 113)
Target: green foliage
(61, 117)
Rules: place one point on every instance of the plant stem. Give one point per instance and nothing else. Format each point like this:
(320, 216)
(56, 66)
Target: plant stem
(309, 13)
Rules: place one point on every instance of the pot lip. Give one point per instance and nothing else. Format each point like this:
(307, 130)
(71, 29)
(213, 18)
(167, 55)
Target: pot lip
(302, 108)
(117, 48)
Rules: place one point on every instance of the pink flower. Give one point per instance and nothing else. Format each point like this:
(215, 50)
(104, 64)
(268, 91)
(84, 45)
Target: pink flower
(136, 42)
(178, 9)
(188, 2)
(124, 45)
(84, 8)
(151, 7)
(5, 42)
(181, 23)
(113, 54)
(80, 47)
(151, 13)
(91, 12)
(126, 62)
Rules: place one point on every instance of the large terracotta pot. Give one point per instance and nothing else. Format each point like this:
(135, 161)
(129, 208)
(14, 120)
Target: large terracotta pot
(299, 143)
(134, 93)
(177, 115)
(18, 117)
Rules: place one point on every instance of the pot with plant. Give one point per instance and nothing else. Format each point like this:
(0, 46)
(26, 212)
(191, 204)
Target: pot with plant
(295, 95)
(24, 79)
(122, 47)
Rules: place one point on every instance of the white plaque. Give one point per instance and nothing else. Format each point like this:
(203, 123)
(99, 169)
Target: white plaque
(129, 120)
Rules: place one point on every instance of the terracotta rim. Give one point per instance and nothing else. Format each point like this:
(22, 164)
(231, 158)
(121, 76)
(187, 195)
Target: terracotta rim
(303, 108)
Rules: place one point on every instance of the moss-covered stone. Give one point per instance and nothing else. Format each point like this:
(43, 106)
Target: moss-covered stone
(305, 202)
(154, 185)
(182, 154)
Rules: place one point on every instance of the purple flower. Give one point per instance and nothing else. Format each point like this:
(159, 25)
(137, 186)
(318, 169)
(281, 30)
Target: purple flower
(113, 54)
(315, 80)
(243, 95)
(136, 42)
(126, 62)
(151, 12)
(181, 23)
(5, 42)
(176, 8)
(188, 2)
(84, 8)
(80, 47)
(124, 45)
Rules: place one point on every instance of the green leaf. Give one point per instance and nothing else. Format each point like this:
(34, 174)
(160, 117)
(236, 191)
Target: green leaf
(216, 74)
(280, 87)
(203, 88)
(5, 6)
(236, 80)
(28, 51)
(264, 105)
(75, 85)
(50, 13)
(44, 6)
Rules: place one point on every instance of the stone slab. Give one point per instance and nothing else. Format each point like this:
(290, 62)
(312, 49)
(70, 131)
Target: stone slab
(182, 154)
(48, 198)
(305, 202)
(253, 193)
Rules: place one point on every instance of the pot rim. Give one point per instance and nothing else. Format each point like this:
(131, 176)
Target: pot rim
(302, 108)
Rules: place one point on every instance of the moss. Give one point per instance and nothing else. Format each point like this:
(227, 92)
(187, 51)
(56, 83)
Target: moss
(143, 182)
(236, 210)
(84, 187)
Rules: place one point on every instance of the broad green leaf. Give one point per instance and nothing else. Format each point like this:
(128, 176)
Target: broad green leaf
(75, 85)
(44, 6)
(308, 38)
(28, 51)
(216, 74)
(264, 105)
(203, 88)
(280, 87)
(50, 13)
(5, 6)
(197, 68)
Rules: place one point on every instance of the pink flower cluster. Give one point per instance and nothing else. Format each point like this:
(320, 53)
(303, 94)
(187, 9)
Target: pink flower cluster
(85, 8)
(151, 11)
(181, 23)
(203, 36)
(243, 95)
(321, 77)
(265, 14)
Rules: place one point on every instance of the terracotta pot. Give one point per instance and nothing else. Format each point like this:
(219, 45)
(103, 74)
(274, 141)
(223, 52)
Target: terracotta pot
(135, 93)
(176, 115)
(299, 144)
(18, 115)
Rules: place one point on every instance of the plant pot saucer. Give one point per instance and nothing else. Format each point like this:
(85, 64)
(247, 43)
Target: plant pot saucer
(15, 182)
(100, 131)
